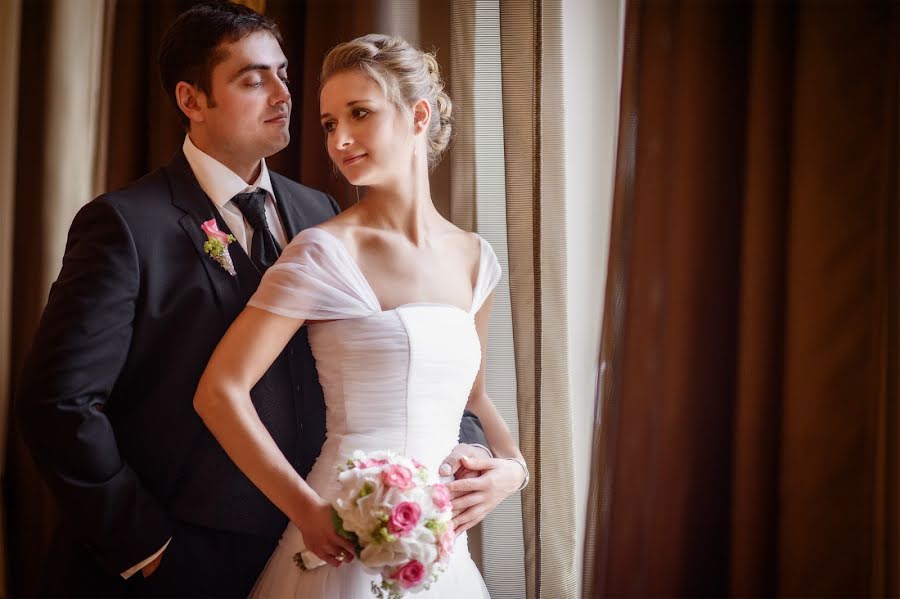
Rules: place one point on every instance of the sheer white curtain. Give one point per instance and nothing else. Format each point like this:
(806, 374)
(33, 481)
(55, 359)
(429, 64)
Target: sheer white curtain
(74, 120)
(536, 86)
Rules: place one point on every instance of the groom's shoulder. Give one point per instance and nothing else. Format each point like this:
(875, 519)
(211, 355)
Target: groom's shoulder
(142, 202)
(148, 192)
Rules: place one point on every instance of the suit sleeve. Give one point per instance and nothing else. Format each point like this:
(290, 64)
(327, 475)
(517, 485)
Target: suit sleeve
(471, 431)
(77, 354)
(334, 204)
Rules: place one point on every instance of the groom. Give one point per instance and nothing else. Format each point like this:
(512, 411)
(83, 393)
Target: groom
(150, 503)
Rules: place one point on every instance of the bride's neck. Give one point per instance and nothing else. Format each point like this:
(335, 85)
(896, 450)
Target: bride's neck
(406, 209)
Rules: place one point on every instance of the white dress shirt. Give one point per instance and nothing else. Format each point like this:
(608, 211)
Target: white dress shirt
(221, 184)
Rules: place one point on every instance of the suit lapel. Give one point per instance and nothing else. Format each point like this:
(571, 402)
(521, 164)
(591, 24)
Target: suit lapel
(289, 209)
(231, 291)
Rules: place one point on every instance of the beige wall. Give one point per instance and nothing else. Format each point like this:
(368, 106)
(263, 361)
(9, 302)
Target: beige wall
(592, 36)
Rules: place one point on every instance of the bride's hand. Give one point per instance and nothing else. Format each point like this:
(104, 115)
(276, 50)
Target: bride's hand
(474, 496)
(452, 465)
(320, 536)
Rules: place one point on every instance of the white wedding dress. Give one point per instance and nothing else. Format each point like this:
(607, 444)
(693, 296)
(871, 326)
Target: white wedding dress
(393, 379)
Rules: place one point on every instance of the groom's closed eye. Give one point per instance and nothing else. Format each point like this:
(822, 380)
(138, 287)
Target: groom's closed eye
(259, 69)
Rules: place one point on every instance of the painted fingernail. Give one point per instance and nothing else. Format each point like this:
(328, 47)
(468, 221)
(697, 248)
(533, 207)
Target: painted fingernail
(445, 470)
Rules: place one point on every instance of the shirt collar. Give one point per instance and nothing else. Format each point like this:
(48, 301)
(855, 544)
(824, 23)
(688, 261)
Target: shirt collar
(218, 181)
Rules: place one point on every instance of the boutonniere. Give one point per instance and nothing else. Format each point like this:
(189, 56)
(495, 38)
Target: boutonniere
(216, 245)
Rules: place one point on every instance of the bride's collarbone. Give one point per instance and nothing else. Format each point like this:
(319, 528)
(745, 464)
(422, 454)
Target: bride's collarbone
(398, 272)
(420, 284)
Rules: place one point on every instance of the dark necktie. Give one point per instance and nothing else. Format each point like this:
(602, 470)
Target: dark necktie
(264, 250)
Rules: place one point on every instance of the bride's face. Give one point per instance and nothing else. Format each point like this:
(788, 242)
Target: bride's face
(367, 136)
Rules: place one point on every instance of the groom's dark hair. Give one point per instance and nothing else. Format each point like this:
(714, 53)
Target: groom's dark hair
(190, 48)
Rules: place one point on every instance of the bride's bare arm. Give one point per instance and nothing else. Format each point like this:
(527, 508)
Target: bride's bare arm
(500, 440)
(474, 497)
(222, 400)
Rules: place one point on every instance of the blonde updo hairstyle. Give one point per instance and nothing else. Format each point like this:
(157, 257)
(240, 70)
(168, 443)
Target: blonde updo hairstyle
(404, 74)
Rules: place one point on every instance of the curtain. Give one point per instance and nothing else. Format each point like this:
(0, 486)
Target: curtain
(508, 184)
(478, 203)
(57, 146)
(10, 16)
(531, 55)
(746, 440)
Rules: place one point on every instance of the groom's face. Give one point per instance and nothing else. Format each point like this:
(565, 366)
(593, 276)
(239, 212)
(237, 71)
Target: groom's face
(249, 110)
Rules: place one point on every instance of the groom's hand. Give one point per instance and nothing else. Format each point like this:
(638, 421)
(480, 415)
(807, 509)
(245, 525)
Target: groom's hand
(476, 495)
(452, 465)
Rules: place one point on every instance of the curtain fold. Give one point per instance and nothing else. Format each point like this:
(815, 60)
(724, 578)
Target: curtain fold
(56, 170)
(763, 294)
(610, 371)
(531, 58)
(843, 184)
(10, 25)
(508, 184)
(747, 435)
(478, 203)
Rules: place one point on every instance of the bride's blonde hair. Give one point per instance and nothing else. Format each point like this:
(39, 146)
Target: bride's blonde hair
(404, 74)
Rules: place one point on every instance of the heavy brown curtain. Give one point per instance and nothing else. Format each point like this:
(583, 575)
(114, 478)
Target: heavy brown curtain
(10, 17)
(57, 163)
(747, 439)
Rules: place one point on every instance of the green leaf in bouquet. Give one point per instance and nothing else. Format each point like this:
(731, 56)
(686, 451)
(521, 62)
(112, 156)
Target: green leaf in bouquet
(367, 489)
(436, 526)
(381, 534)
(339, 528)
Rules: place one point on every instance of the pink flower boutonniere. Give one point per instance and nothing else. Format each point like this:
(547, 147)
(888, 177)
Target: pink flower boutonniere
(216, 245)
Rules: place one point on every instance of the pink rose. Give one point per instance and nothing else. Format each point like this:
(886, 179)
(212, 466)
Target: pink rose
(446, 543)
(417, 463)
(410, 574)
(397, 476)
(371, 463)
(211, 228)
(440, 495)
(404, 517)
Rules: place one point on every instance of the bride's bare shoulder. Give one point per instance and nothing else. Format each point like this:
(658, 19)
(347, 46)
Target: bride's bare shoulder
(343, 226)
(466, 244)
(355, 233)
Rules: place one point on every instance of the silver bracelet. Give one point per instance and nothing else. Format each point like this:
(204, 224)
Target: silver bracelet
(525, 468)
(489, 452)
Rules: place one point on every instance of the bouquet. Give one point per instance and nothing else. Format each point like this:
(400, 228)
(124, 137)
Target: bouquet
(399, 519)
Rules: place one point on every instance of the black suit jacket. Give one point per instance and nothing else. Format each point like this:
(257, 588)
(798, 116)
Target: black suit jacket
(105, 397)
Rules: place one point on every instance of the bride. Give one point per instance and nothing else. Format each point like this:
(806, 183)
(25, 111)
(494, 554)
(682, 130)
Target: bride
(397, 301)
